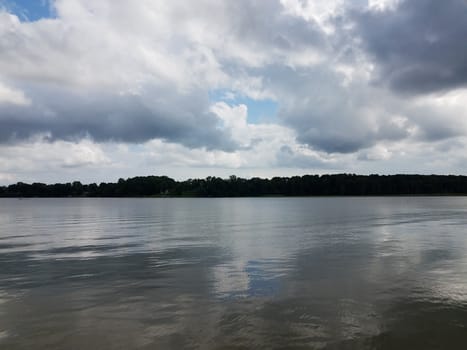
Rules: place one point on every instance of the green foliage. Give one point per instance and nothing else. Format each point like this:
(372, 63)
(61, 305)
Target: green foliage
(308, 185)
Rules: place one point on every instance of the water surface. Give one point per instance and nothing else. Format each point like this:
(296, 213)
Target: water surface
(318, 273)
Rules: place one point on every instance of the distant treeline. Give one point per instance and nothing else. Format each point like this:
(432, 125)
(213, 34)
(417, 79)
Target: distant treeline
(308, 185)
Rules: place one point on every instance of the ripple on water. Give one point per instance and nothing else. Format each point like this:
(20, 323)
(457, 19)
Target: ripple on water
(254, 273)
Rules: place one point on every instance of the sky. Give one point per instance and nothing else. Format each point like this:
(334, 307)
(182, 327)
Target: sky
(100, 90)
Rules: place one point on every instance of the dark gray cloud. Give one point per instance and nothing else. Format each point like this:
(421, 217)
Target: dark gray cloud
(435, 123)
(70, 114)
(328, 116)
(419, 46)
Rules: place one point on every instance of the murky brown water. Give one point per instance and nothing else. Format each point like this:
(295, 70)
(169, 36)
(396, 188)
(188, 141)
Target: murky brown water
(319, 273)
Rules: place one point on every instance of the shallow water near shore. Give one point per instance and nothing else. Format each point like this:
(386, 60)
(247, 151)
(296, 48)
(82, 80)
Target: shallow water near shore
(236, 273)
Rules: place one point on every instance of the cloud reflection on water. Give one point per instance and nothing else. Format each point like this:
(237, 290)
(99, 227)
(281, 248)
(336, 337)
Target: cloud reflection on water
(265, 273)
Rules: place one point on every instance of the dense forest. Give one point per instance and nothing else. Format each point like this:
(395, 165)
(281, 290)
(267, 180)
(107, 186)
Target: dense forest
(308, 185)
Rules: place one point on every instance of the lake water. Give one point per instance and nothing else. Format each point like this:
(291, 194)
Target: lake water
(246, 273)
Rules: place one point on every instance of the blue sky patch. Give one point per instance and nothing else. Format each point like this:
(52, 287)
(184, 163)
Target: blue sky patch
(259, 111)
(28, 10)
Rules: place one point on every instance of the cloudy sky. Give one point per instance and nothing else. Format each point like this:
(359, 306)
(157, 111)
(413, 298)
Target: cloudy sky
(97, 90)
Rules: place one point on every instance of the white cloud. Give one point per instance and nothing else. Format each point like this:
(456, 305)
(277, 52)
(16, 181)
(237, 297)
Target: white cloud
(10, 95)
(382, 5)
(124, 87)
(39, 156)
(378, 152)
